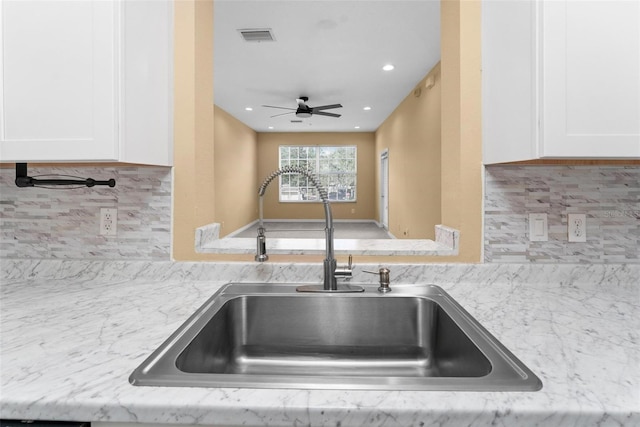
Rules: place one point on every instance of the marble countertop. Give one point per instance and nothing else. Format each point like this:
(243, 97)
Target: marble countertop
(244, 245)
(72, 332)
(446, 244)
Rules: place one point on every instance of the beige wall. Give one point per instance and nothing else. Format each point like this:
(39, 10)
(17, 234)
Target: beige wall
(193, 188)
(412, 136)
(236, 172)
(461, 124)
(268, 158)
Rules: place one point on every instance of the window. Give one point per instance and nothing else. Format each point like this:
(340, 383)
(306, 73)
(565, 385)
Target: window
(335, 167)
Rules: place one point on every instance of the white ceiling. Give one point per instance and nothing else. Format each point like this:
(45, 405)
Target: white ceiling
(330, 51)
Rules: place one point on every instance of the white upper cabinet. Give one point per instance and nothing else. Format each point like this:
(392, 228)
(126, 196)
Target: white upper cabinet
(86, 81)
(561, 79)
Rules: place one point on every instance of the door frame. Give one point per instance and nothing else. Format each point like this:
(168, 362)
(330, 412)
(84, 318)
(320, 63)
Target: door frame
(384, 189)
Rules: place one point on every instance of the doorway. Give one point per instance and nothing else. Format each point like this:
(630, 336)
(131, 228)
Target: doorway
(384, 189)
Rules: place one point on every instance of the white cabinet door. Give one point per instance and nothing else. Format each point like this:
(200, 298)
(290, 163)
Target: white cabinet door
(57, 77)
(561, 79)
(509, 81)
(146, 97)
(591, 78)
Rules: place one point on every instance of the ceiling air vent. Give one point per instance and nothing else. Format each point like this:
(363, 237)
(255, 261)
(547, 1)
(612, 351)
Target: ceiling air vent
(257, 35)
(296, 121)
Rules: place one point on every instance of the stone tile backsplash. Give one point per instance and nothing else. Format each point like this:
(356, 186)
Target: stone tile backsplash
(64, 223)
(38, 223)
(608, 195)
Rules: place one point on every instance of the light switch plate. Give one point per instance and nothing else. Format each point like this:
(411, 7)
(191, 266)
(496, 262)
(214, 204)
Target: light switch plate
(538, 227)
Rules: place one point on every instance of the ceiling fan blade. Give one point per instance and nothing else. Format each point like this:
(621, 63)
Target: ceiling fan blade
(326, 107)
(283, 114)
(282, 108)
(322, 113)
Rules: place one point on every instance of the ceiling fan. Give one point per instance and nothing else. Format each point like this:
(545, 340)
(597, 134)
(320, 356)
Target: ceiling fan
(304, 111)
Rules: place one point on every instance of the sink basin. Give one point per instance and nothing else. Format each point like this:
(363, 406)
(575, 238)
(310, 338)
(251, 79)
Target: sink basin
(264, 335)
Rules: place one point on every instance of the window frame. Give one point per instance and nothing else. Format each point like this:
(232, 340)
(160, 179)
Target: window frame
(322, 176)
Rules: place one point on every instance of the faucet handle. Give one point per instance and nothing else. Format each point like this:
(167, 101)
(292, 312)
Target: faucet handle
(345, 272)
(384, 279)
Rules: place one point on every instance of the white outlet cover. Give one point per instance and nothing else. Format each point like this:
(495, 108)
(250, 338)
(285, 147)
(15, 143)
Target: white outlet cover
(108, 222)
(538, 227)
(577, 227)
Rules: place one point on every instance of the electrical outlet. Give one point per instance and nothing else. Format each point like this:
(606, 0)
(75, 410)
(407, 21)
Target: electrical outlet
(108, 222)
(577, 227)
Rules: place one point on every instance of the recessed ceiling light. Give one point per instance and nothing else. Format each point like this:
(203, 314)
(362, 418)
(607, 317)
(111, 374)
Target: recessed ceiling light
(388, 67)
(367, 108)
(249, 109)
(270, 127)
(357, 127)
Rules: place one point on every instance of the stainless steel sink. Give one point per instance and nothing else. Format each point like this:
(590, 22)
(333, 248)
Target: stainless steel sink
(269, 336)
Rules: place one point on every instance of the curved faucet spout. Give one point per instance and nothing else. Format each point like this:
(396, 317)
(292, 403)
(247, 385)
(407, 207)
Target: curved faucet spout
(330, 264)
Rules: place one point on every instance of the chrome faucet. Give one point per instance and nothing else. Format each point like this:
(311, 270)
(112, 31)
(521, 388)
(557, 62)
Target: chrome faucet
(330, 265)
